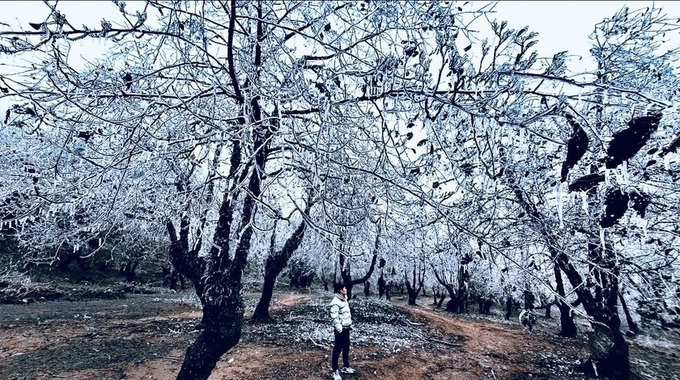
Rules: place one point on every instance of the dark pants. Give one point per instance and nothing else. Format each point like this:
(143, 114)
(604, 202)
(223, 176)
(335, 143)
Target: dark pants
(341, 344)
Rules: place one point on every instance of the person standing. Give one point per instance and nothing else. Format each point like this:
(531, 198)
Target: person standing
(341, 317)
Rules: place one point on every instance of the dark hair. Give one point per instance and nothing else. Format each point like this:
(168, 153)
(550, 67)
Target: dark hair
(338, 287)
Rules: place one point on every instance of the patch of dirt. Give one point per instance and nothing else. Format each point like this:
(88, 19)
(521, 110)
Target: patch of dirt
(145, 337)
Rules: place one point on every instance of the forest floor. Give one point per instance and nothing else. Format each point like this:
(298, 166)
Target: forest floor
(144, 336)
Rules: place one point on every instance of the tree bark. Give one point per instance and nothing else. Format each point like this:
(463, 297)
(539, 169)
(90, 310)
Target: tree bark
(414, 286)
(275, 264)
(222, 324)
(567, 325)
(632, 326)
(452, 305)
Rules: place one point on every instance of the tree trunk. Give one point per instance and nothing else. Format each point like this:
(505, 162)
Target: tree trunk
(414, 286)
(275, 264)
(609, 352)
(222, 324)
(508, 308)
(381, 286)
(441, 301)
(567, 326)
(632, 326)
(463, 284)
(262, 309)
(128, 270)
(452, 305)
(608, 347)
(412, 293)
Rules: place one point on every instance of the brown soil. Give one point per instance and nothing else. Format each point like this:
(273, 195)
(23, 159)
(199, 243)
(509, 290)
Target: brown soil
(145, 336)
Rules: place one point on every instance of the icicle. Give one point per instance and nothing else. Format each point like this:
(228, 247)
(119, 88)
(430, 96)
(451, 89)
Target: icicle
(607, 177)
(624, 173)
(602, 237)
(643, 224)
(559, 204)
(584, 198)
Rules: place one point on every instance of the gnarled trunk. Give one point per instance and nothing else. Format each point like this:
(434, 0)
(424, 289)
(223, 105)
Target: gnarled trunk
(609, 355)
(608, 347)
(222, 324)
(452, 305)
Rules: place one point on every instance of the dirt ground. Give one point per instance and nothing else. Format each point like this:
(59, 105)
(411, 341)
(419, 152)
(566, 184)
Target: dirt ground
(145, 336)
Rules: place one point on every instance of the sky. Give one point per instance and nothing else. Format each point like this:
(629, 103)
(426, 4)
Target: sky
(561, 25)
(565, 25)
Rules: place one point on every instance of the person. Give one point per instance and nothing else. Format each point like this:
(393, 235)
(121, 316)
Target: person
(528, 319)
(341, 317)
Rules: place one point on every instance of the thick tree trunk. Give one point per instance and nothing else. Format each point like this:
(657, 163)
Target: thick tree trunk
(567, 326)
(453, 305)
(609, 352)
(608, 347)
(508, 308)
(381, 286)
(412, 293)
(222, 324)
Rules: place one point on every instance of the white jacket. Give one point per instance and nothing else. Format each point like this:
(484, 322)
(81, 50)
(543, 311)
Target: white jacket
(341, 316)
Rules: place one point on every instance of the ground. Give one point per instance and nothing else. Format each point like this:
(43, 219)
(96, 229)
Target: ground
(144, 336)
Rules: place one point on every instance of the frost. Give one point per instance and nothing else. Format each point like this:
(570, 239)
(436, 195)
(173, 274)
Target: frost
(621, 174)
(376, 322)
(656, 343)
(584, 201)
(643, 224)
(560, 204)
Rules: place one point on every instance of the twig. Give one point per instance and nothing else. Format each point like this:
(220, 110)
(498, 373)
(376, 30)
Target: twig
(445, 343)
(412, 323)
(318, 344)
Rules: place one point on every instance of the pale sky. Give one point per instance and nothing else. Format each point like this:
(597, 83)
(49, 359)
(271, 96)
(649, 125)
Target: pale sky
(565, 25)
(562, 25)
